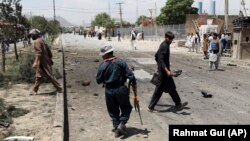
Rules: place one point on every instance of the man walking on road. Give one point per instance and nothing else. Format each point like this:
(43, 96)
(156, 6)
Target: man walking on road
(113, 73)
(119, 36)
(133, 39)
(165, 82)
(43, 63)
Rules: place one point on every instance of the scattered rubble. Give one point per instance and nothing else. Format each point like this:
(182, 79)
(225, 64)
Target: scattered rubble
(206, 95)
(233, 65)
(95, 94)
(96, 60)
(177, 73)
(6, 115)
(19, 138)
(86, 83)
(74, 53)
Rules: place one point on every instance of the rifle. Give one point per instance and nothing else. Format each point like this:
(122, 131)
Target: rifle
(136, 100)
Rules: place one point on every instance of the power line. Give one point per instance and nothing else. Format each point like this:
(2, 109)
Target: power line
(69, 10)
(48, 7)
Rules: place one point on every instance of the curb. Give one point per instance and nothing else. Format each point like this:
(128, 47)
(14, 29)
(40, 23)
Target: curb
(58, 133)
(58, 124)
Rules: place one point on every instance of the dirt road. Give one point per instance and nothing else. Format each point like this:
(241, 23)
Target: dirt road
(88, 117)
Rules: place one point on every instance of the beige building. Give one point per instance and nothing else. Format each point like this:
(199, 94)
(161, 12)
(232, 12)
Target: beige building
(241, 43)
(203, 18)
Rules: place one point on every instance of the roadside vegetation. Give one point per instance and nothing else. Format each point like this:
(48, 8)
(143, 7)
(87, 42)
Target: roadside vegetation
(17, 68)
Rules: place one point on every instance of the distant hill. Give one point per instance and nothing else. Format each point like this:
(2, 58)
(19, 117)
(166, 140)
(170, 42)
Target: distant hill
(63, 22)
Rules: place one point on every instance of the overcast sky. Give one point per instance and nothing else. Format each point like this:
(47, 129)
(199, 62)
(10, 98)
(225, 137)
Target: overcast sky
(82, 11)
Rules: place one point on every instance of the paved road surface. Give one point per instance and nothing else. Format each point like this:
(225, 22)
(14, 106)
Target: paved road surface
(88, 116)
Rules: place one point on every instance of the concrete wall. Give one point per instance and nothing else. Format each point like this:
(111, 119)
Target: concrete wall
(245, 53)
(202, 20)
(241, 48)
(236, 44)
(189, 24)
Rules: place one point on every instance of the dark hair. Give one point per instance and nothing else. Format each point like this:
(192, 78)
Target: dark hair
(110, 53)
(169, 35)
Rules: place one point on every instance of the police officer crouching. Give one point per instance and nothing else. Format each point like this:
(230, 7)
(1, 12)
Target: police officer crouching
(113, 73)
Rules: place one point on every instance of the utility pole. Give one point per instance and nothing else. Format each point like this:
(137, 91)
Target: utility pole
(226, 16)
(156, 33)
(3, 55)
(120, 7)
(151, 12)
(15, 36)
(31, 17)
(137, 9)
(109, 9)
(54, 10)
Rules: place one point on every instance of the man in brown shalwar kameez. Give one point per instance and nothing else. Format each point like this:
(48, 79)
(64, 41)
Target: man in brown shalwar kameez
(43, 63)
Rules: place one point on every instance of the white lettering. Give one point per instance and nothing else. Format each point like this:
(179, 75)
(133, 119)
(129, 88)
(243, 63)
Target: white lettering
(214, 132)
(177, 132)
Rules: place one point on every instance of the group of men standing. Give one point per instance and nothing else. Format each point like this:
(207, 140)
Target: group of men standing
(213, 46)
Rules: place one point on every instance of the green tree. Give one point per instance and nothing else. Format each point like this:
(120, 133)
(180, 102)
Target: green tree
(53, 29)
(11, 12)
(140, 20)
(104, 20)
(174, 12)
(39, 23)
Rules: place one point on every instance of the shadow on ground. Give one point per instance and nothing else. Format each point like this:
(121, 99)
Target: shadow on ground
(132, 131)
(171, 108)
(48, 93)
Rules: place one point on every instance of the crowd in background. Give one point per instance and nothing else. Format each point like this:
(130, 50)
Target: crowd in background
(213, 45)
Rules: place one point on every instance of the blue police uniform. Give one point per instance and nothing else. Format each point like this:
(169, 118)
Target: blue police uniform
(113, 73)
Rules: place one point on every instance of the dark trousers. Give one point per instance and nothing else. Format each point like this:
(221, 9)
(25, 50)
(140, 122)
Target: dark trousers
(165, 85)
(118, 104)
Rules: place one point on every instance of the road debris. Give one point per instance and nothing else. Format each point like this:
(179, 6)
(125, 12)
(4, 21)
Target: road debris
(235, 87)
(74, 53)
(86, 83)
(206, 95)
(96, 60)
(233, 65)
(19, 138)
(177, 73)
(95, 94)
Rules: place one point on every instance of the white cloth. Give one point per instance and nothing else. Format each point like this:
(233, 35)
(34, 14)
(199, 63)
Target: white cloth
(188, 42)
(132, 34)
(213, 57)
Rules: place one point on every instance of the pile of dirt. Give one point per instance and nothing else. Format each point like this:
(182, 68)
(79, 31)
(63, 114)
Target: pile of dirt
(6, 115)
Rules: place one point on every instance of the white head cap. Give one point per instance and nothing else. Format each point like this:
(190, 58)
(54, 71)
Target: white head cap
(34, 31)
(106, 49)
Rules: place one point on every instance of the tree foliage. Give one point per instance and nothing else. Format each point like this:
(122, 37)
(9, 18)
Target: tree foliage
(174, 12)
(11, 12)
(104, 20)
(140, 19)
(42, 24)
(39, 23)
